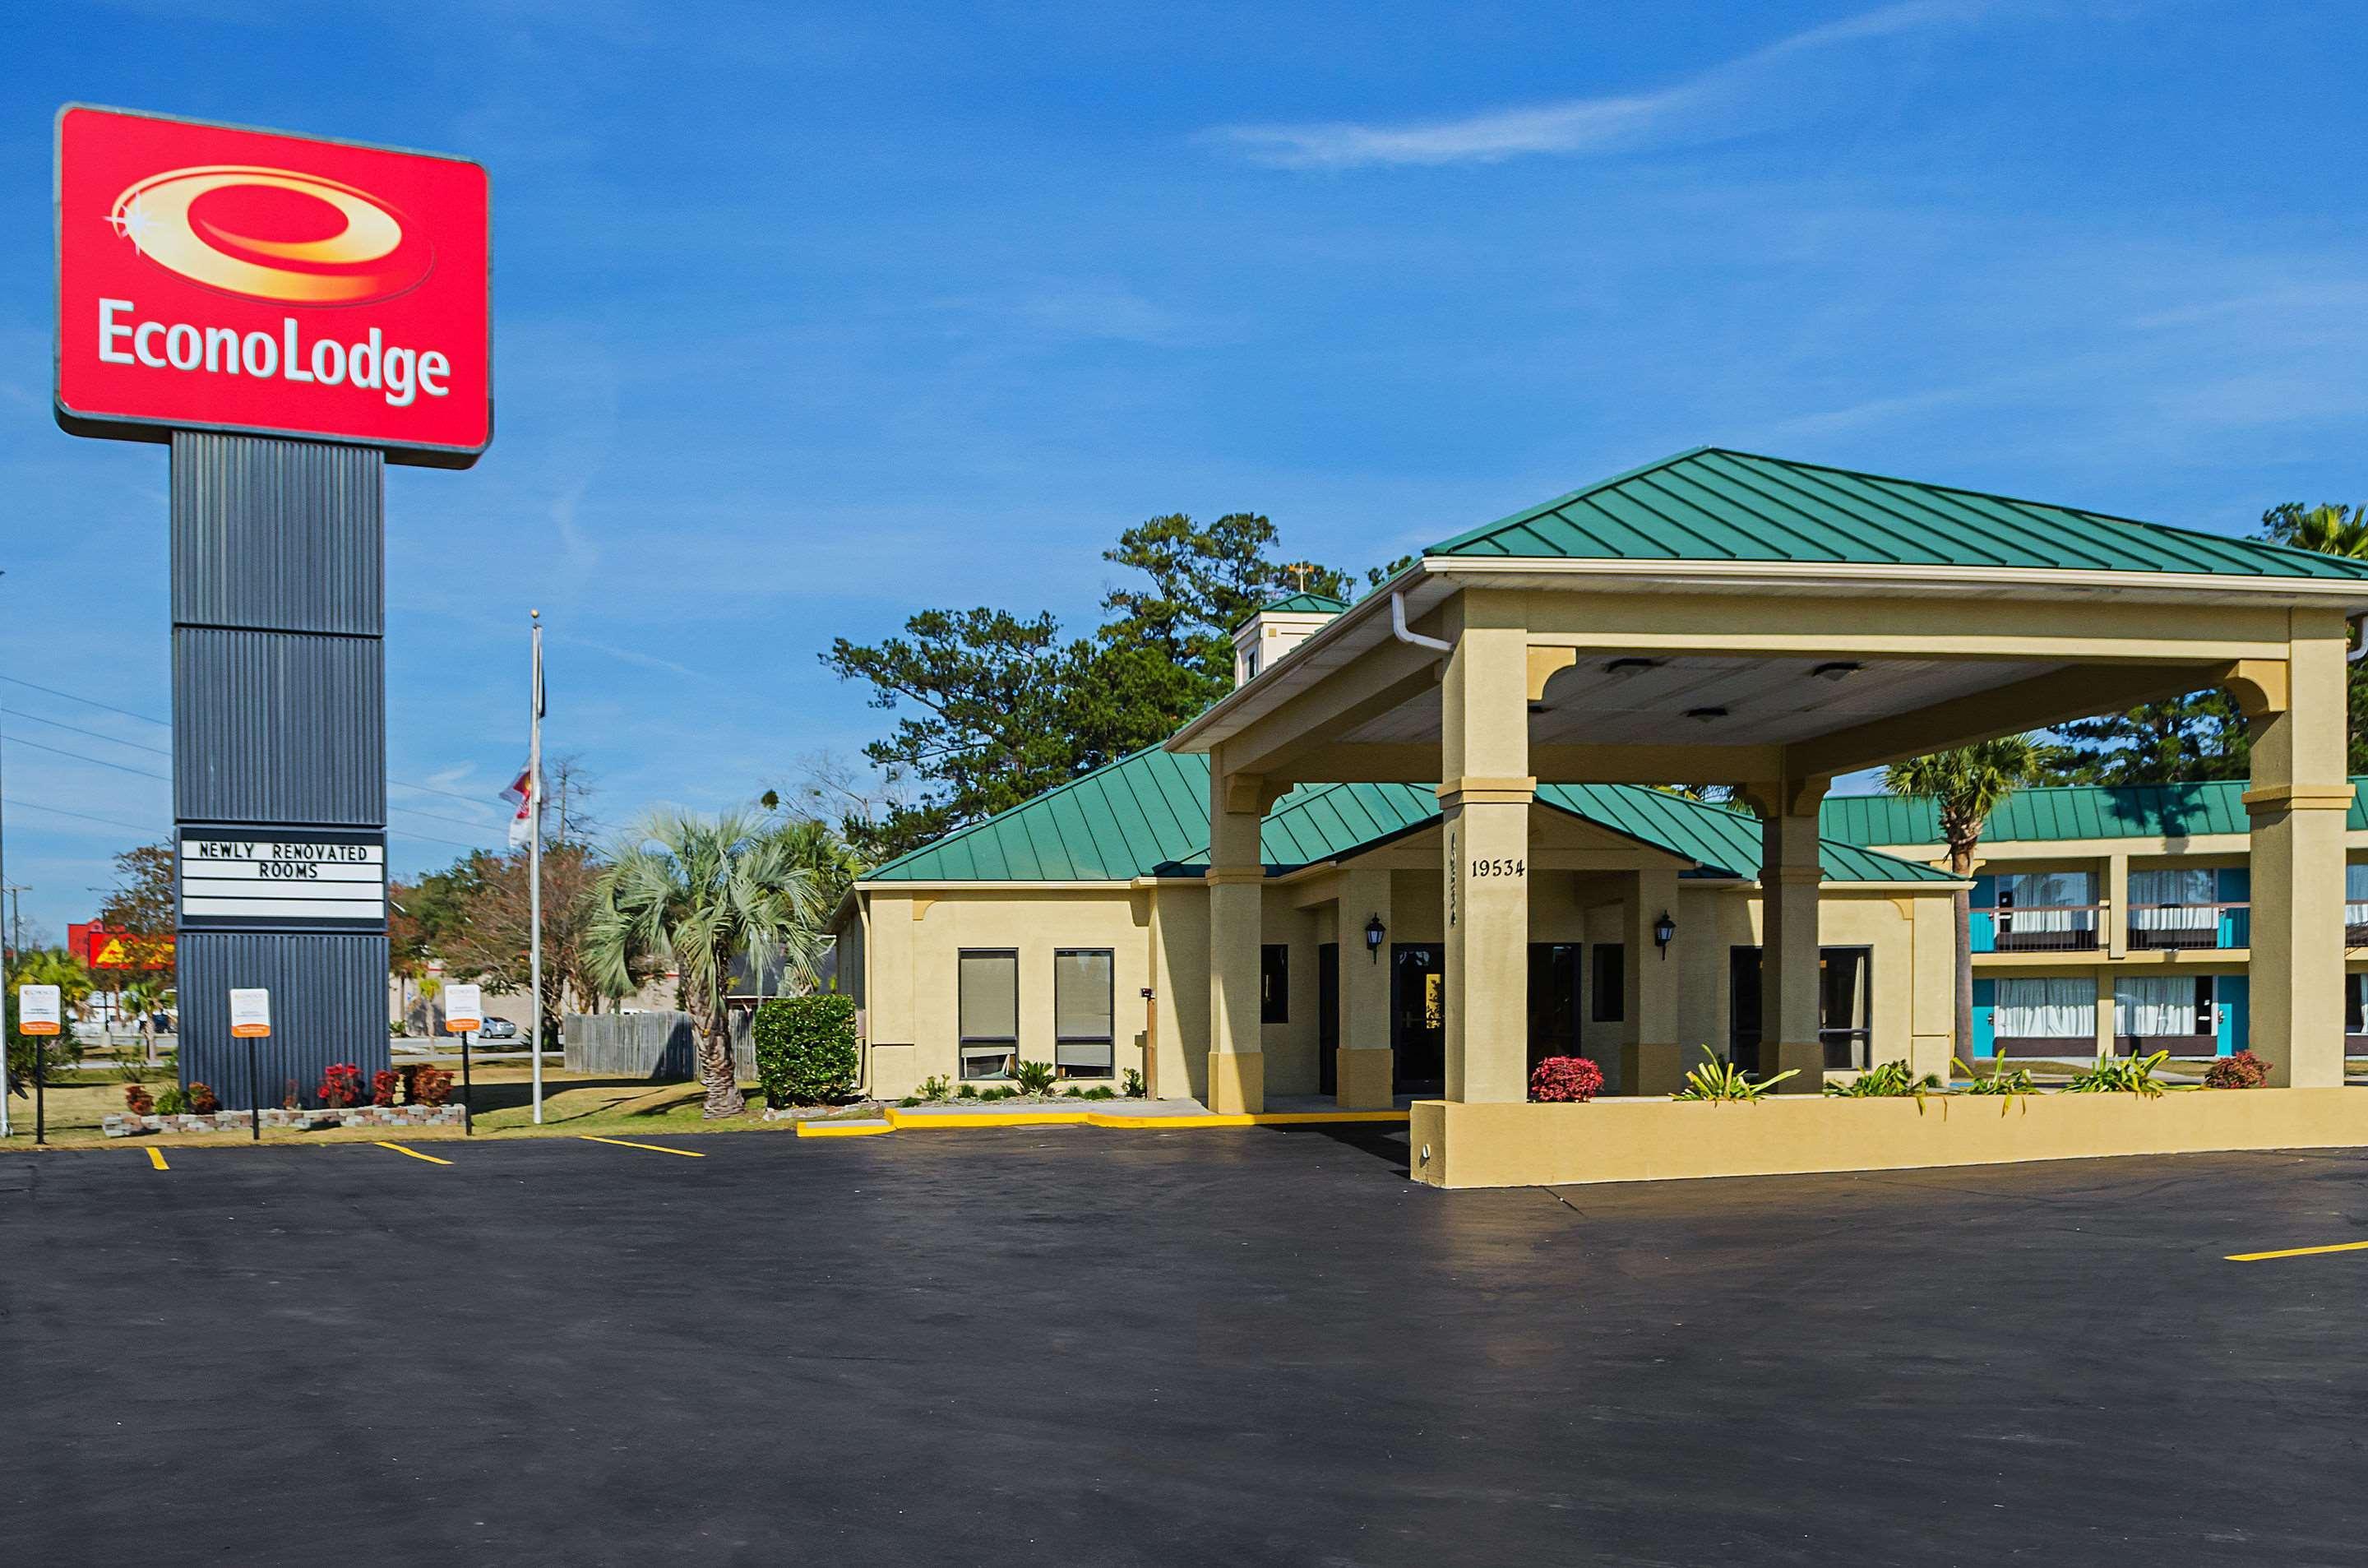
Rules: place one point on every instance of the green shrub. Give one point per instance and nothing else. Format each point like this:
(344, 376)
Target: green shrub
(1132, 1084)
(1100, 1092)
(2009, 1085)
(1887, 1080)
(967, 1091)
(174, 1101)
(934, 1088)
(2124, 1075)
(1032, 1077)
(805, 1049)
(1721, 1080)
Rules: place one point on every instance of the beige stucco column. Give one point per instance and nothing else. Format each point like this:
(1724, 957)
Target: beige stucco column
(1652, 1059)
(1932, 990)
(1485, 791)
(1789, 878)
(2115, 915)
(1236, 875)
(2297, 803)
(1366, 1066)
(2108, 1019)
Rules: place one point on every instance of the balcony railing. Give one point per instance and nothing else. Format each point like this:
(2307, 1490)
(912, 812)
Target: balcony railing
(2155, 927)
(2040, 928)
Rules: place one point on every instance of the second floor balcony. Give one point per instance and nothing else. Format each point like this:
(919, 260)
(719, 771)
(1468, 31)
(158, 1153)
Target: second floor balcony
(2148, 928)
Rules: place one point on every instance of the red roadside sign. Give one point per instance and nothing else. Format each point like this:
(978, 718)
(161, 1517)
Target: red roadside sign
(215, 277)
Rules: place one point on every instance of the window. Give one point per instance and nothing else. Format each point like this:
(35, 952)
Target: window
(2162, 1006)
(1274, 983)
(1611, 983)
(2047, 910)
(2174, 908)
(2047, 1009)
(1846, 1006)
(2356, 894)
(1554, 1001)
(989, 1003)
(1083, 1006)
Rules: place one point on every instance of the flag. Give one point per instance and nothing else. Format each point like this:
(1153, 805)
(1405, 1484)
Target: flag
(522, 792)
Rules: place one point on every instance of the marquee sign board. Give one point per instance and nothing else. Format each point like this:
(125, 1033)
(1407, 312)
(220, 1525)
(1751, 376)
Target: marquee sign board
(301, 879)
(211, 278)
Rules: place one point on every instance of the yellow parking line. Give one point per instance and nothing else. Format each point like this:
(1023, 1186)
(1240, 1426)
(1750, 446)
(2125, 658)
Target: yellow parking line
(156, 1158)
(415, 1153)
(2296, 1252)
(652, 1148)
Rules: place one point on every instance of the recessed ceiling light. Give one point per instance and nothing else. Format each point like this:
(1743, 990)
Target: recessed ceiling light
(1705, 715)
(1622, 669)
(1839, 669)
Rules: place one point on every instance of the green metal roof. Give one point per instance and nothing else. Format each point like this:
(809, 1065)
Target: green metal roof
(1305, 604)
(2051, 813)
(1147, 815)
(1714, 504)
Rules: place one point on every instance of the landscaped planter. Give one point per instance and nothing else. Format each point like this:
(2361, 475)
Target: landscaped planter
(123, 1125)
(1457, 1144)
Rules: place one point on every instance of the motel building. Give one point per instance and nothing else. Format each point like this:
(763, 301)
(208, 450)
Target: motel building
(2115, 921)
(1422, 843)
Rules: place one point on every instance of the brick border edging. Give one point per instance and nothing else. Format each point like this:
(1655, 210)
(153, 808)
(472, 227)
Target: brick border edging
(122, 1124)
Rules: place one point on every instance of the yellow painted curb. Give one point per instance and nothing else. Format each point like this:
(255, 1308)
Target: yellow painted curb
(842, 1130)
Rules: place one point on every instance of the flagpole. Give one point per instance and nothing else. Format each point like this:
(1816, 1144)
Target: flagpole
(534, 856)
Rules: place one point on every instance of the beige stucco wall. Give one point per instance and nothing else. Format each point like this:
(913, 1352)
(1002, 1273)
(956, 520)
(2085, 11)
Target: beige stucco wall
(906, 982)
(911, 993)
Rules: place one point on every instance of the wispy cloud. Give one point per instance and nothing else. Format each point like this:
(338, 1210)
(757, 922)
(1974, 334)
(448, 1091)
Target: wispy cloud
(1728, 100)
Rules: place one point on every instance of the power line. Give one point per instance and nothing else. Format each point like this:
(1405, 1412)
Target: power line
(95, 702)
(146, 719)
(120, 767)
(430, 839)
(77, 729)
(85, 816)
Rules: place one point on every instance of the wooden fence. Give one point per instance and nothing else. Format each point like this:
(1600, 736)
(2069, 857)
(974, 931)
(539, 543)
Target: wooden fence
(660, 1047)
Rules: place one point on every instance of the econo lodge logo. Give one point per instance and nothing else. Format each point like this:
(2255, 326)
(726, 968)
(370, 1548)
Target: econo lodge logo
(214, 276)
(272, 234)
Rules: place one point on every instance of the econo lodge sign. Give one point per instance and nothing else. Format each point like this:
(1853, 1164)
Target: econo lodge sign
(214, 278)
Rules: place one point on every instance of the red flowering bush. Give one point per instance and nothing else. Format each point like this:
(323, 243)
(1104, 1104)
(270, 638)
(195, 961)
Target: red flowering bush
(341, 1086)
(204, 1101)
(429, 1086)
(137, 1100)
(2242, 1071)
(1560, 1079)
(383, 1084)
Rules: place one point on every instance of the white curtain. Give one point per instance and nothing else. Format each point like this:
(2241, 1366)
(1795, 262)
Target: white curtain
(2050, 901)
(2155, 1007)
(2355, 894)
(2046, 1009)
(2172, 901)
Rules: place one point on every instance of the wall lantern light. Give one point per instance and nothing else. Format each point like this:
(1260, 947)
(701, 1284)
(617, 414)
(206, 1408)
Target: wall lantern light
(1664, 931)
(1374, 930)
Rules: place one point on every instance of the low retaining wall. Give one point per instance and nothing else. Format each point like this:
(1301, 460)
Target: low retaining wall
(124, 1124)
(1456, 1144)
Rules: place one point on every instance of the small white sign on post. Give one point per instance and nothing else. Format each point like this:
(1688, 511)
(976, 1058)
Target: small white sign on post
(465, 1010)
(250, 1012)
(38, 1010)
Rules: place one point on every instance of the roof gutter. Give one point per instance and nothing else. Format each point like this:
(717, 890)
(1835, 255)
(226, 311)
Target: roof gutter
(1415, 639)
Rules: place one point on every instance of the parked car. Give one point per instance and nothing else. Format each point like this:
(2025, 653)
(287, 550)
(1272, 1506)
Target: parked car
(498, 1028)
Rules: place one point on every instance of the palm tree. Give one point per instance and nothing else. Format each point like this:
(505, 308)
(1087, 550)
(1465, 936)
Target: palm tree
(1966, 783)
(695, 892)
(2330, 531)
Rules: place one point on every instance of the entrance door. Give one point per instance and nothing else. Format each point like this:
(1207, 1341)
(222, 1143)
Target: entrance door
(1327, 1018)
(1743, 1008)
(1419, 1018)
(1554, 1001)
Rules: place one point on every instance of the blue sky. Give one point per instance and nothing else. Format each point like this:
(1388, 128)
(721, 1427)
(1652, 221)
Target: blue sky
(811, 317)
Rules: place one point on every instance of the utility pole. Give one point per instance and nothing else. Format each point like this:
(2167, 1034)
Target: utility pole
(16, 915)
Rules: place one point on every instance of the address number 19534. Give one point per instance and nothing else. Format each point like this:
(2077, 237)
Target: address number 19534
(1512, 868)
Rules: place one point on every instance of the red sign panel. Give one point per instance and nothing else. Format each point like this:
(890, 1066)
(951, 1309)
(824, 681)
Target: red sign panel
(211, 278)
(99, 948)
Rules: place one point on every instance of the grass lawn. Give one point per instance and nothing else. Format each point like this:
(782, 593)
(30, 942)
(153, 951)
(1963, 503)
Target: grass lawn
(573, 1104)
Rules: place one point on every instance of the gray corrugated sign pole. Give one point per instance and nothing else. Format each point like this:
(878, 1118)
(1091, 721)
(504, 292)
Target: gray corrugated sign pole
(278, 575)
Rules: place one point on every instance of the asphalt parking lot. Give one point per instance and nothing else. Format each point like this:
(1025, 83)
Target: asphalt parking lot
(1076, 1346)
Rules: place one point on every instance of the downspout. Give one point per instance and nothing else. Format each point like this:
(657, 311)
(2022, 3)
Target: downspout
(1398, 625)
(863, 921)
(2361, 652)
